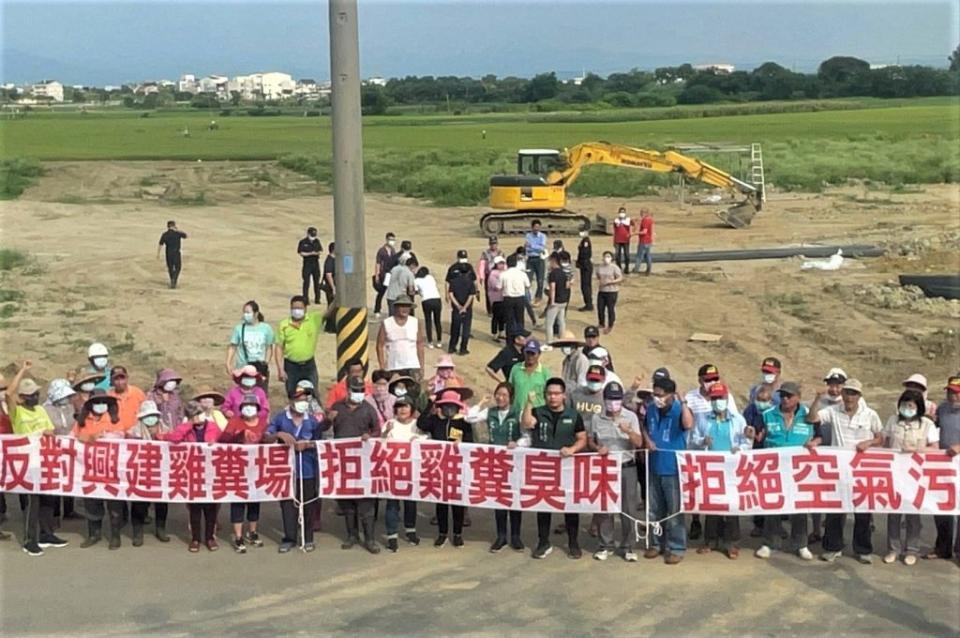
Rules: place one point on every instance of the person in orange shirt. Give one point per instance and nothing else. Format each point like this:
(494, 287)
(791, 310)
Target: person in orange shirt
(100, 418)
(129, 397)
(338, 391)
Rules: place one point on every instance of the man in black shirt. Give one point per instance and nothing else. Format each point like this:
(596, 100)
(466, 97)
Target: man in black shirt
(585, 266)
(329, 285)
(383, 265)
(461, 292)
(510, 355)
(309, 249)
(558, 295)
(171, 239)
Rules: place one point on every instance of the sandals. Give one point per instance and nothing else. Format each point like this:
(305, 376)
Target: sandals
(732, 553)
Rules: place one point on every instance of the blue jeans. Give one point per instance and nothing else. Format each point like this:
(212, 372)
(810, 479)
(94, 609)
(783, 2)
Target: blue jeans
(392, 519)
(535, 271)
(644, 254)
(664, 494)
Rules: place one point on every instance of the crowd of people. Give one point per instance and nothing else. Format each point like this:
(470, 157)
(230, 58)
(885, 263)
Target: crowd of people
(584, 407)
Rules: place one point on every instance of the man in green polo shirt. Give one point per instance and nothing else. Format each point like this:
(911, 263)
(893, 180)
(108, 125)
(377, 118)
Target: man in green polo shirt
(296, 342)
(554, 426)
(530, 377)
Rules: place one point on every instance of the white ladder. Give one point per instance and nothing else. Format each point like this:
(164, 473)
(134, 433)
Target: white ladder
(756, 170)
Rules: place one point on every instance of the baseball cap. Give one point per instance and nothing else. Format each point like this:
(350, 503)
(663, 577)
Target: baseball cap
(953, 384)
(789, 387)
(28, 387)
(771, 364)
(598, 354)
(718, 391)
(854, 385)
(918, 379)
(532, 345)
(492, 240)
(596, 373)
(461, 254)
(661, 373)
(591, 331)
(613, 391)
(499, 259)
(355, 384)
(836, 375)
(708, 372)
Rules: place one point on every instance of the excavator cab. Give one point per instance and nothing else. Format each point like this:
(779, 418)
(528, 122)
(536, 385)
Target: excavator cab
(537, 161)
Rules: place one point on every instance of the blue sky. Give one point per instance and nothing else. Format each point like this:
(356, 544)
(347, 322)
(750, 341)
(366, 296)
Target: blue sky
(114, 42)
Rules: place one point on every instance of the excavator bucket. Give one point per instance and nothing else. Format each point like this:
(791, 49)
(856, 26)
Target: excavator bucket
(738, 216)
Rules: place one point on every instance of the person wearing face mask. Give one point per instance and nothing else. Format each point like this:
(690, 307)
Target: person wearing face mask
(908, 431)
(147, 428)
(575, 363)
(210, 401)
(609, 277)
(948, 426)
(828, 396)
(515, 282)
(445, 377)
(587, 399)
(338, 391)
(622, 229)
(129, 397)
(486, 265)
(432, 305)
(82, 388)
(382, 265)
(59, 407)
(354, 418)
(753, 415)
(494, 292)
(615, 430)
(28, 418)
(251, 343)
(461, 293)
(100, 418)
(402, 427)
(245, 382)
(918, 383)
(246, 428)
(535, 246)
(853, 425)
(297, 337)
(447, 422)
(166, 395)
(98, 357)
(585, 268)
(558, 296)
(645, 242)
(720, 430)
(380, 399)
(309, 248)
(667, 424)
(461, 266)
(770, 369)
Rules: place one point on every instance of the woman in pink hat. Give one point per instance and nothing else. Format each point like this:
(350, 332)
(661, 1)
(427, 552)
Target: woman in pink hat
(166, 394)
(445, 376)
(246, 381)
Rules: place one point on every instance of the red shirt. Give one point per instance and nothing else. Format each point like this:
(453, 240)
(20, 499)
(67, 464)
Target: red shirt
(5, 426)
(237, 431)
(621, 232)
(646, 230)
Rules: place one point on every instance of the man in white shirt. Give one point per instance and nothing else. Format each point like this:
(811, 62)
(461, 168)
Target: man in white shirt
(400, 341)
(852, 425)
(515, 284)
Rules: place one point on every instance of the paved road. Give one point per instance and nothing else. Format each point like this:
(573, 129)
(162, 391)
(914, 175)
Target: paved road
(164, 590)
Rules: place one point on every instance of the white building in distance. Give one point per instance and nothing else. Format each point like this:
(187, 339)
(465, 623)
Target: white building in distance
(375, 82)
(272, 85)
(719, 69)
(187, 83)
(214, 84)
(47, 89)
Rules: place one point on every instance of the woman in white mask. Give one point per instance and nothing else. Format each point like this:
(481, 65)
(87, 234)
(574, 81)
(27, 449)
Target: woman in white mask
(246, 381)
(82, 388)
(246, 428)
(575, 363)
(166, 395)
(148, 429)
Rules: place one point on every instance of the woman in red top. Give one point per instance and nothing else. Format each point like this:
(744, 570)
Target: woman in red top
(246, 428)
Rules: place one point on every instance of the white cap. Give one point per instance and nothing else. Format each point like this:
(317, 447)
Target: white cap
(59, 389)
(835, 373)
(599, 353)
(97, 350)
(917, 378)
(499, 259)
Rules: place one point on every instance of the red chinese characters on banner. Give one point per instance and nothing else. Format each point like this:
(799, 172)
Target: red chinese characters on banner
(594, 479)
(16, 462)
(58, 457)
(441, 471)
(101, 466)
(187, 472)
(758, 481)
(491, 468)
(143, 471)
(934, 473)
(274, 472)
(542, 481)
(816, 477)
(341, 468)
(873, 480)
(704, 480)
(391, 468)
(230, 471)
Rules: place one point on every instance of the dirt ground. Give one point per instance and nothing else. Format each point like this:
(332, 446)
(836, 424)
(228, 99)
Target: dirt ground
(91, 231)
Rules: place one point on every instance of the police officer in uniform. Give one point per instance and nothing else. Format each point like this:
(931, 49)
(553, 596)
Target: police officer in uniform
(309, 249)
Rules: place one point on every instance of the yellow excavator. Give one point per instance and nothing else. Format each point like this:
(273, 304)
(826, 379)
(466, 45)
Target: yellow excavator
(539, 190)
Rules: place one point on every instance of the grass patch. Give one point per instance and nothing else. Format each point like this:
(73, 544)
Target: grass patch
(794, 305)
(11, 258)
(10, 295)
(16, 174)
(8, 310)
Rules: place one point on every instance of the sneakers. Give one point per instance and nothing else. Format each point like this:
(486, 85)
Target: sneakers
(253, 538)
(630, 556)
(370, 545)
(193, 547)
(864, 559)
(672, 559)
(412, 538)
(763, 551)
(32, 549)
(457, 540)
(910, 559)
(543, 550)
(441, 541)
(438, 346)
(286, 547)
(430, 345)
(574, 551)
(516, 544)
(49, 540)
(830, 557)
(602, 554)
(392, 545)
(891, 557)
(651, 553)
(498, 545)
(212, 545)
(309, 547)
(239, 546)
(805, 553)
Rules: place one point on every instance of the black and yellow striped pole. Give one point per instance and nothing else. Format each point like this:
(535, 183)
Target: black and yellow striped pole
(348, 213)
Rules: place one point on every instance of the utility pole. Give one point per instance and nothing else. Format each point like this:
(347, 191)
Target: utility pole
(348, 213)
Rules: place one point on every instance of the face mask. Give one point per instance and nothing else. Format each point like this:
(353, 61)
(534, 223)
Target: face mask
(623, 215)
(248, 317)
(608, 260)
(32, 400)
(462, 260)
(719, 405)
(356, 397)
(584, 233)
(769, 377)
(99, 408)
(908, 412)
(448, 411)
(150, 421)
(248, 382)
(399, 391)
(594, 386)
(170, 386)
(100, 363)
(298, 313)
(763, 405)
(833, 399)
(613, 406)
(301, 407)
(249, 411)
(660, 402)
(391, 242)
(567, 350)
(87, 387)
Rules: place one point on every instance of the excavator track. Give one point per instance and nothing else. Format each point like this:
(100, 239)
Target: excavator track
(563, 222)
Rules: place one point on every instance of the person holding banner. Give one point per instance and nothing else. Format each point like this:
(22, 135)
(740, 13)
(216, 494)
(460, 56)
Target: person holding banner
(852, 424)
(721, 430)
(786, 426)
(402, 427)
(246, 428)
(148, 429)
(166, 394)
(948, 422)
(667, 425)
(555, 426)
(910, 430)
